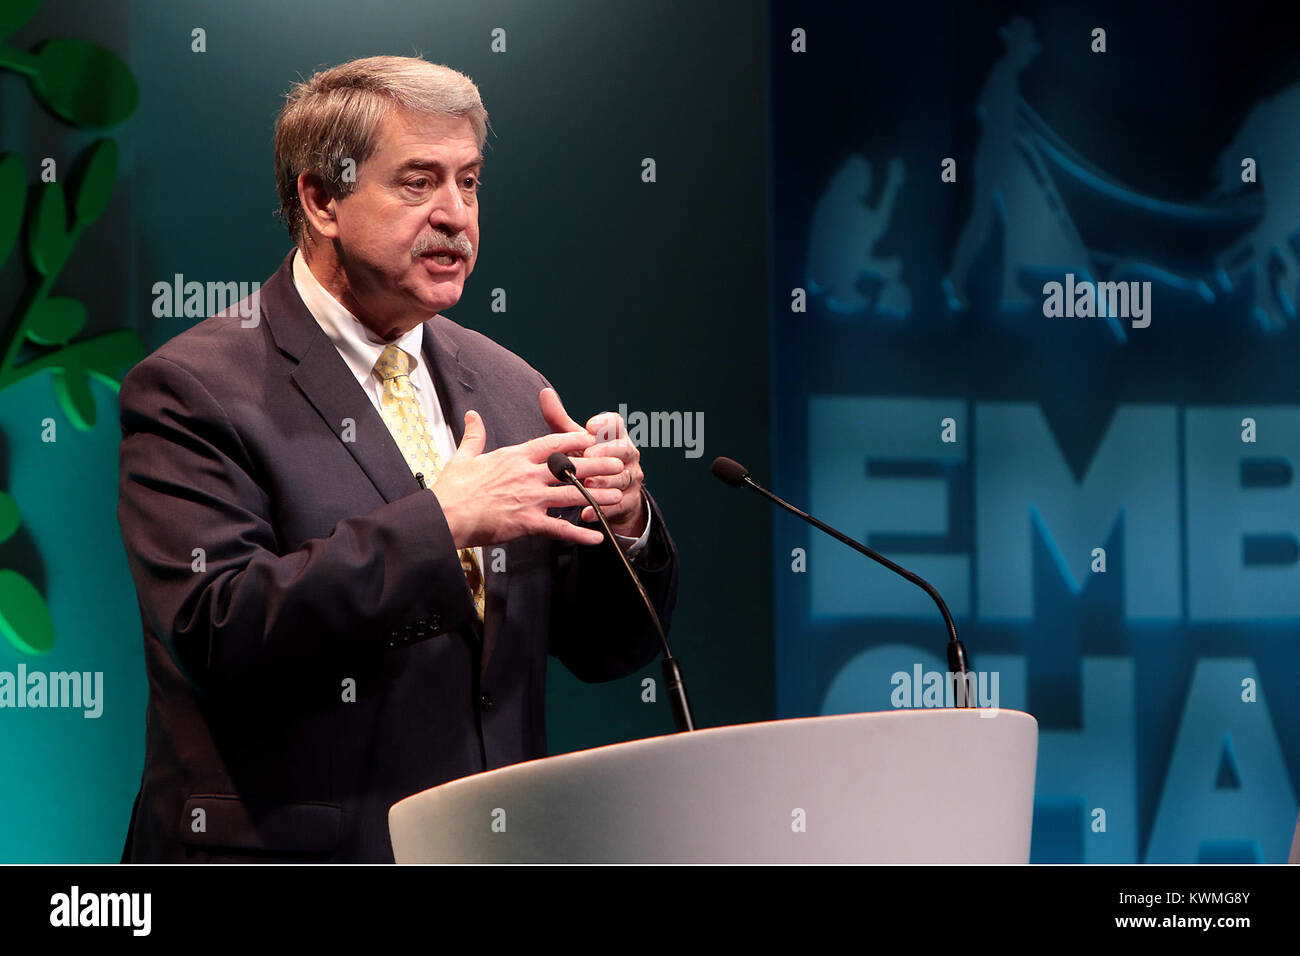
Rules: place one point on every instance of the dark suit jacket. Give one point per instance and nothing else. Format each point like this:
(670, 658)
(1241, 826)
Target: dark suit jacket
(311, 646)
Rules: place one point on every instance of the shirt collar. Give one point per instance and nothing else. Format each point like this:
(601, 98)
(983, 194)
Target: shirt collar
(358, 345)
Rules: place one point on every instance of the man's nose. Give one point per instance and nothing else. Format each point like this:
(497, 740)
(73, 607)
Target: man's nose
(450, 211)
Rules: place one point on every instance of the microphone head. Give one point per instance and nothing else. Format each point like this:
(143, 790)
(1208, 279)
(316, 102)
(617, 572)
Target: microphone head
(560, 465)
(732, 472)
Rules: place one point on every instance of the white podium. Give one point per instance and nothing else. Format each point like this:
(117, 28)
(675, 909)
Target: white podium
(905, 786)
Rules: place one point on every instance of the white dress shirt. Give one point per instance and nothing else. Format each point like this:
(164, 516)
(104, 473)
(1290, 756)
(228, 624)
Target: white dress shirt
(361, 348)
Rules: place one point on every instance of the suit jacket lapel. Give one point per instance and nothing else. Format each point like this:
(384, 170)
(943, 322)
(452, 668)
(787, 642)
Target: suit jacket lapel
(329, 385)
(456, 383)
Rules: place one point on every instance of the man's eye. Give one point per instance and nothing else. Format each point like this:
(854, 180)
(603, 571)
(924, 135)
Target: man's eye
(472, 182)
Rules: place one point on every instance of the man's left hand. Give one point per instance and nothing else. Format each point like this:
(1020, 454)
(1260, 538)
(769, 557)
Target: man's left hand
(628, 517)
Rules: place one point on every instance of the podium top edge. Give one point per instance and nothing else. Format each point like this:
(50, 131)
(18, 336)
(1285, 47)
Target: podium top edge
(983, 714)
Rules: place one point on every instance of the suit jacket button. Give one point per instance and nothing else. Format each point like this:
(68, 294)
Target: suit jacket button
(486, 701)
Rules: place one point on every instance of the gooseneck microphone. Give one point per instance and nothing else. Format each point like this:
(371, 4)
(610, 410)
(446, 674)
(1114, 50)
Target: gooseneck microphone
(563, 470)
(736, 475)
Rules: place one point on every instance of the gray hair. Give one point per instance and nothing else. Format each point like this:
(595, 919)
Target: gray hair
(335, 116)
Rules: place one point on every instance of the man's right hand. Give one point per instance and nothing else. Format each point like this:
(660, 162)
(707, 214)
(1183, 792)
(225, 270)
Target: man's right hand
(504, 494)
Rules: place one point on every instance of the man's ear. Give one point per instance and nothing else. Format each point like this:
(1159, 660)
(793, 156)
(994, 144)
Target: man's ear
(317, 204)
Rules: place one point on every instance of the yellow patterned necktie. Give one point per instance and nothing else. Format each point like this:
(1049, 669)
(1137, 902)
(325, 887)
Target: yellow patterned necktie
(400, 411)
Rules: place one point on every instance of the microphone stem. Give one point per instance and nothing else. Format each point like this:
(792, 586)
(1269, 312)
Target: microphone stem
(957, 659)
(673, 678)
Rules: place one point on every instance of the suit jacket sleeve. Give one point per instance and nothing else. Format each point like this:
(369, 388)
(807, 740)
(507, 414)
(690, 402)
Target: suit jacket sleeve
(599, 626)
(240, 608)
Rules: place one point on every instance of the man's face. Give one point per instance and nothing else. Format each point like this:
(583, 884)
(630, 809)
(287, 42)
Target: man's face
(415, 203)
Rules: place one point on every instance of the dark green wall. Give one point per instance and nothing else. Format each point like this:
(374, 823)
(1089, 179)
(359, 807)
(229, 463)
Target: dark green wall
(653, 295)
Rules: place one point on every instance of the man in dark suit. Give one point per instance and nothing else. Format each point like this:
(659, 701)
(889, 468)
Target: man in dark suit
(323, 635)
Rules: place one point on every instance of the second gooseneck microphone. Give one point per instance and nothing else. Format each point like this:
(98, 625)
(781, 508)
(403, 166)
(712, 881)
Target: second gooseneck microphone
(736, 475)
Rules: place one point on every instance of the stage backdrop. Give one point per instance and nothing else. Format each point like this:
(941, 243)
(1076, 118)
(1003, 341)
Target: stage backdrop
(630, 285)
(1034, 292)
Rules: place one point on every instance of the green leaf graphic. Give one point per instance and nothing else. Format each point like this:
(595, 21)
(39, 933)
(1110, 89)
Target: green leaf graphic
(25, 620)
(48, 241)
(93, 181)
(83, 82)
(55, 321)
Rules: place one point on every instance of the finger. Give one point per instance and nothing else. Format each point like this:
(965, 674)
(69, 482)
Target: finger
(589, 467)
(554, 413)
(611, 513)
(569, 443)
(567, 531)
(472, 442)
(567, 496)
(607, 426)
(629, 478)
(620, 482)
(621, 448)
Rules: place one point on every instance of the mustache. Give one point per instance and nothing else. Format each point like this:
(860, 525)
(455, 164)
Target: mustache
(430, 245)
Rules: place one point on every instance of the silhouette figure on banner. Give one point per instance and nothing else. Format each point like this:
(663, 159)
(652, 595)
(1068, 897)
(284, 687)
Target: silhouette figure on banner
(1012, 183)
(845, 232)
